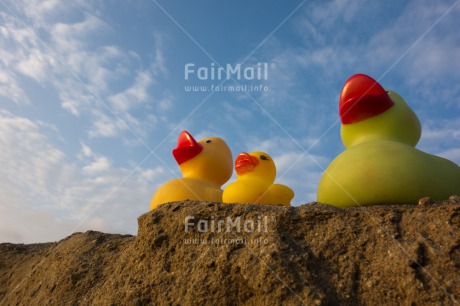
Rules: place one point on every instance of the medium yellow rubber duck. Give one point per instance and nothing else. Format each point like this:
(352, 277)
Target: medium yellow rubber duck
(256, 174)
(205, 165)
(381, 164)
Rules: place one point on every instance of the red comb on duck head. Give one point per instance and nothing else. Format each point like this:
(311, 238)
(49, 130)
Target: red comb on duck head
(362, 97)
(187, 148)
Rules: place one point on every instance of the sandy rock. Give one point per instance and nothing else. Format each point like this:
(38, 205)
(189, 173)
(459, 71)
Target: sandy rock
(313, 254)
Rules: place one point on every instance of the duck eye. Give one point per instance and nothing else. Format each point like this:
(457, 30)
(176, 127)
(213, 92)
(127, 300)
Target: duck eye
(263, 157)
(208, 141)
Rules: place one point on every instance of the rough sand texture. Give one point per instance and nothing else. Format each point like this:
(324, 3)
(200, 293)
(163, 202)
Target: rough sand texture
(312, 255)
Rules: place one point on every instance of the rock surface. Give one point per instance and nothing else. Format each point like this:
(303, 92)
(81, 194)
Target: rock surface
(313, 254)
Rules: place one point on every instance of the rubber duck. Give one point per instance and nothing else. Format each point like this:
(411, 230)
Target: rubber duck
(381, 164)
(256, 174)
(205, 165)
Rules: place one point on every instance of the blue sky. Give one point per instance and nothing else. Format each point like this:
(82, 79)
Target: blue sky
(92, 95)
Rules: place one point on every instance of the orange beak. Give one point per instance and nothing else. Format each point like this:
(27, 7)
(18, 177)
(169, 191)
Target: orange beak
(245, 163)
(362, 98)
(187, 148)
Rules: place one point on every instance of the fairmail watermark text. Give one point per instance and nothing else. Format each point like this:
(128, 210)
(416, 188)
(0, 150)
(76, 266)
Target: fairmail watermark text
(216, 225)
(227, 72)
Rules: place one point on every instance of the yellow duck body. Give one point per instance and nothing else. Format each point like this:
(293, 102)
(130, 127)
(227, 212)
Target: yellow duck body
(256, 174)
(381, 164)
(184, 188)
(387, 172)
(205, 165)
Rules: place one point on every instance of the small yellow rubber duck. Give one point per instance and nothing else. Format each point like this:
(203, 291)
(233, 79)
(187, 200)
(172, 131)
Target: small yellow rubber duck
(381, 164)
(256, 174)
(205, 165)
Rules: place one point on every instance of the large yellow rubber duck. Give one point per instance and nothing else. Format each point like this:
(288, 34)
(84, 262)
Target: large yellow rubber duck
(380, 164)
(205, 165)
(256, 174)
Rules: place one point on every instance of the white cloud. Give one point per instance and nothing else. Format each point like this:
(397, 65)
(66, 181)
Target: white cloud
(34, 66)
(329, 50)
(166, 103)
(328, 14)
(65, 47)
(42, 189)
(452, 155)
(10, 89)
(29, 159)
(26, 225)
(85, 151)
(73, 36)
(159, 66)
(105, 126)
(100, 164)
(435, 45)
(71, 106)
(137, 93)
(39, 11)
(441, 137)
(437, 134)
